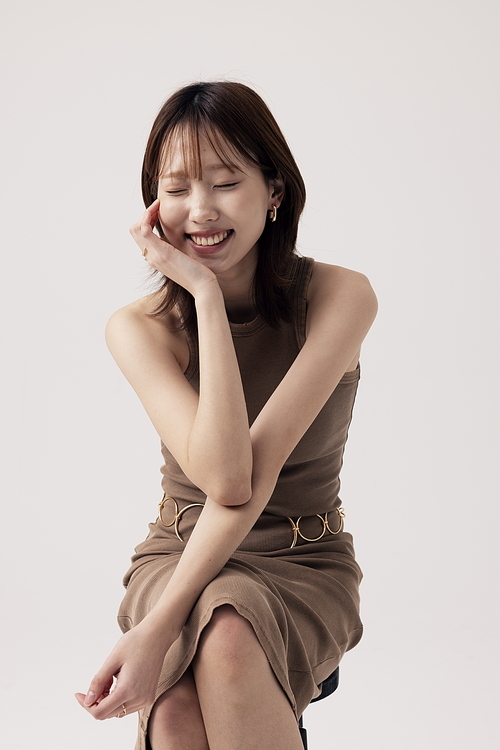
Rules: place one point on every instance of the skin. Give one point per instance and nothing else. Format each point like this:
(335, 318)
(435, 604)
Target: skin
(236, 466)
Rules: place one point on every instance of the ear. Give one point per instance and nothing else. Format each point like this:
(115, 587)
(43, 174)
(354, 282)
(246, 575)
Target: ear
(276, 192)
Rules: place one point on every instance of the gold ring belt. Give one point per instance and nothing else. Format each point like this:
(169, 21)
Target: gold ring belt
(296, 532)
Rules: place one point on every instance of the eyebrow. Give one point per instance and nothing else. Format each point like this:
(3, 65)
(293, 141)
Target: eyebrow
(180, 175)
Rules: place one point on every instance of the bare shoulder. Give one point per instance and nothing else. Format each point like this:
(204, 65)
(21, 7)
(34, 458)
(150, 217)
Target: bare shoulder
(134, 319)
(332, 283)
(132, 330)
(341, 307)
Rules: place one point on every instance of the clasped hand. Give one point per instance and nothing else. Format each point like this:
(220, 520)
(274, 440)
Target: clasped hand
(129, 676)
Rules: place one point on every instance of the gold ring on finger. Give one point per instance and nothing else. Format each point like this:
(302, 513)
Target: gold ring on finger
(144, 252)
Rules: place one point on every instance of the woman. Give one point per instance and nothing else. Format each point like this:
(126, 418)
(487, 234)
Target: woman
(244, 596)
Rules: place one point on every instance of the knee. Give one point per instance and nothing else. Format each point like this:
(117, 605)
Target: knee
(228, 641)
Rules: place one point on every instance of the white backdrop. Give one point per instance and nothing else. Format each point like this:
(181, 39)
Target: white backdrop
(392, 110)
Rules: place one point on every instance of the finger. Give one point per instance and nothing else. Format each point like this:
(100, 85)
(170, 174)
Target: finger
(115, 705)
(98, 688)
(97, 711)
(154, 206)
(152, 213)
(148, 224)
(147, 220)
(80, 697)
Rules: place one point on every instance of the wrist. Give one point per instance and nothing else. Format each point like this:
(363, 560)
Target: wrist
(161, 626)
(169, 614)
(208, 293)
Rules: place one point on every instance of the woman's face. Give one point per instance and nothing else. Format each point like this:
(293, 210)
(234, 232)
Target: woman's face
(219, 218)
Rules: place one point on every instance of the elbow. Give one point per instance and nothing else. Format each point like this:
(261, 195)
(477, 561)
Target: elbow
(232, 485)
(232, 493)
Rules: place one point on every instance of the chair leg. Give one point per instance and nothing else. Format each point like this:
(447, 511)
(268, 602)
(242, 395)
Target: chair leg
(303, 733)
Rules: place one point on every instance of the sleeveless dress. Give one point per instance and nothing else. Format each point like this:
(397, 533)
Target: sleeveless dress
(294, 577)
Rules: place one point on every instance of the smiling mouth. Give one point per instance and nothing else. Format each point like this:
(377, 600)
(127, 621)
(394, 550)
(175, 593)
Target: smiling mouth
(214, 239)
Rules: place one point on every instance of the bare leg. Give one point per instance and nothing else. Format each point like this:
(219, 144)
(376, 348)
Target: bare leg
(176, 722)
(242, 704)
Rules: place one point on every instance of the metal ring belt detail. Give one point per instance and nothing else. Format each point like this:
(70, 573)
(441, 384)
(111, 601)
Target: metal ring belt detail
(176, 519)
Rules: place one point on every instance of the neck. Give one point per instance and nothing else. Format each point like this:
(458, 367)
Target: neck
(238, 300)
(236, 286)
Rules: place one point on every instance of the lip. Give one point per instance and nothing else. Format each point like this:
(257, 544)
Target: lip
(209, 249)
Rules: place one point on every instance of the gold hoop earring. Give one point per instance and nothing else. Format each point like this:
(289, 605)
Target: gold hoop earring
(273, 213)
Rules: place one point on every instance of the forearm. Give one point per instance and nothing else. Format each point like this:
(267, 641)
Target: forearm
(219, 446)
(218, 532)
(208, 434)
(138, 656)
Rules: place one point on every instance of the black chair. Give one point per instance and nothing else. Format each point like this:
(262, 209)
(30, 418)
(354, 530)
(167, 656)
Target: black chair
(328, 687)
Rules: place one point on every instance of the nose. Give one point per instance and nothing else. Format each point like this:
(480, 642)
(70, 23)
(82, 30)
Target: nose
(202, 205)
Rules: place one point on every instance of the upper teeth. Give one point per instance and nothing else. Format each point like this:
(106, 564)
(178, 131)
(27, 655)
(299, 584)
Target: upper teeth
(212, 240)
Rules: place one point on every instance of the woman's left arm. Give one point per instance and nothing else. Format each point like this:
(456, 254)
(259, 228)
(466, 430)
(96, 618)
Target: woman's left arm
(341, 309)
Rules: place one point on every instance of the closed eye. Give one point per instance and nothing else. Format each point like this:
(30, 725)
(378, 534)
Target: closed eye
(182, 190)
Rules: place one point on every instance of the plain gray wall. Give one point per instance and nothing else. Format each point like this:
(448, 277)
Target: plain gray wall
(392, 111)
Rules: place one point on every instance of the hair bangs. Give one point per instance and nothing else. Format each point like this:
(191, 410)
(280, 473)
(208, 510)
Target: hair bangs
(186, 136)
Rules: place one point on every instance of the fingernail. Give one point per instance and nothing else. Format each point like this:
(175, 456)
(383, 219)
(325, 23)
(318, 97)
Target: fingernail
(90, 698)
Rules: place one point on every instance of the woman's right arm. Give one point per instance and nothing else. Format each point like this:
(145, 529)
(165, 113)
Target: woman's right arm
(207, 433)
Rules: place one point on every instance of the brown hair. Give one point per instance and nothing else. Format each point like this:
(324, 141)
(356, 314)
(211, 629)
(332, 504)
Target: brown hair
(236, 122)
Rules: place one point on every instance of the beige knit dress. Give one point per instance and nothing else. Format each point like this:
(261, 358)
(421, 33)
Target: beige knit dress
(301, 597)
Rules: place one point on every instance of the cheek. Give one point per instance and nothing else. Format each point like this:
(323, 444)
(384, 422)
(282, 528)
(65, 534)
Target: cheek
(256, 214)
(169, 220)
(165, 212)
(253, 208)
(169, 214)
